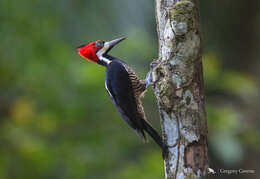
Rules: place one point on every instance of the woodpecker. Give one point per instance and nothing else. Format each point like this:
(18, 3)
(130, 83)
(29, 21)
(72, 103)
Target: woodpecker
(123, 86)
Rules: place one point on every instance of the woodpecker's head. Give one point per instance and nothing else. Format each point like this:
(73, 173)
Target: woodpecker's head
(95, 50)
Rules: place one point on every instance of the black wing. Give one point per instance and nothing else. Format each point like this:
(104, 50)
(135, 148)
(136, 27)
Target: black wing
(120, 90)
(118, 85)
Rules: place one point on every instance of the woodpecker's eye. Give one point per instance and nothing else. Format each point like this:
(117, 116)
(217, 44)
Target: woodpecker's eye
(99, 43)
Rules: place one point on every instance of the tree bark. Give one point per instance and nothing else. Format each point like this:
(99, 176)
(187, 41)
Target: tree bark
(178, 85)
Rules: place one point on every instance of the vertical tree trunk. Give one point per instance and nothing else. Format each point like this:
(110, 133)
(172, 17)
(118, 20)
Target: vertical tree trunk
(178, 85)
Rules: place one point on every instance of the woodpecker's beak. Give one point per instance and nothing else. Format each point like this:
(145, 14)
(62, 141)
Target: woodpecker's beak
(112, 43)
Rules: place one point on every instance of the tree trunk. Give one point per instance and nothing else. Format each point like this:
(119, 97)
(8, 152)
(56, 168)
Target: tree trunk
(178, 85)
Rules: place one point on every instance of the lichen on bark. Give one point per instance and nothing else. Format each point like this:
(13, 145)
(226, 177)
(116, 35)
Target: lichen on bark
(178, 86)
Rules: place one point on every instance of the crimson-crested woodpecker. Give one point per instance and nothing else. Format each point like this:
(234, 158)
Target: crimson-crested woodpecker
(123, 86)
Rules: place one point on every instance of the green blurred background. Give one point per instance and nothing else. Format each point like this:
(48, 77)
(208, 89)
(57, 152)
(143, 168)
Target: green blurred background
(56, 119)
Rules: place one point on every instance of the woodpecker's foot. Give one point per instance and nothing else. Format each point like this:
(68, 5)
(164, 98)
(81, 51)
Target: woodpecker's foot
(148, 80)
(154, 63)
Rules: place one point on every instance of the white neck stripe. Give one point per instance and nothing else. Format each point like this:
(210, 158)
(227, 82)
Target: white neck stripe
(101, 52)
(107, 61)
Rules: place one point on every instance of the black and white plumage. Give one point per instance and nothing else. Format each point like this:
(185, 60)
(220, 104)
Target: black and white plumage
(126, 90)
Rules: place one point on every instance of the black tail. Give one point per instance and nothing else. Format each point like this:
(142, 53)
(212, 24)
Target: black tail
(156, 137)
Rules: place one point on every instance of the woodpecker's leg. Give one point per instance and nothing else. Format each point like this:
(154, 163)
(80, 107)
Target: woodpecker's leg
(148, 79)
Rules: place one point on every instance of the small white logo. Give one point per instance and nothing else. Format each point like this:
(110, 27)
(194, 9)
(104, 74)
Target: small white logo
(211, 171)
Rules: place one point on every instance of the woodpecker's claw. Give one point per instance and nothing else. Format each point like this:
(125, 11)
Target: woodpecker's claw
(154, 63)
(148, 79)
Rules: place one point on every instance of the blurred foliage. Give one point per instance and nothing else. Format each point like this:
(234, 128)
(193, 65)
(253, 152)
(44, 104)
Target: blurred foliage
(56, 119)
